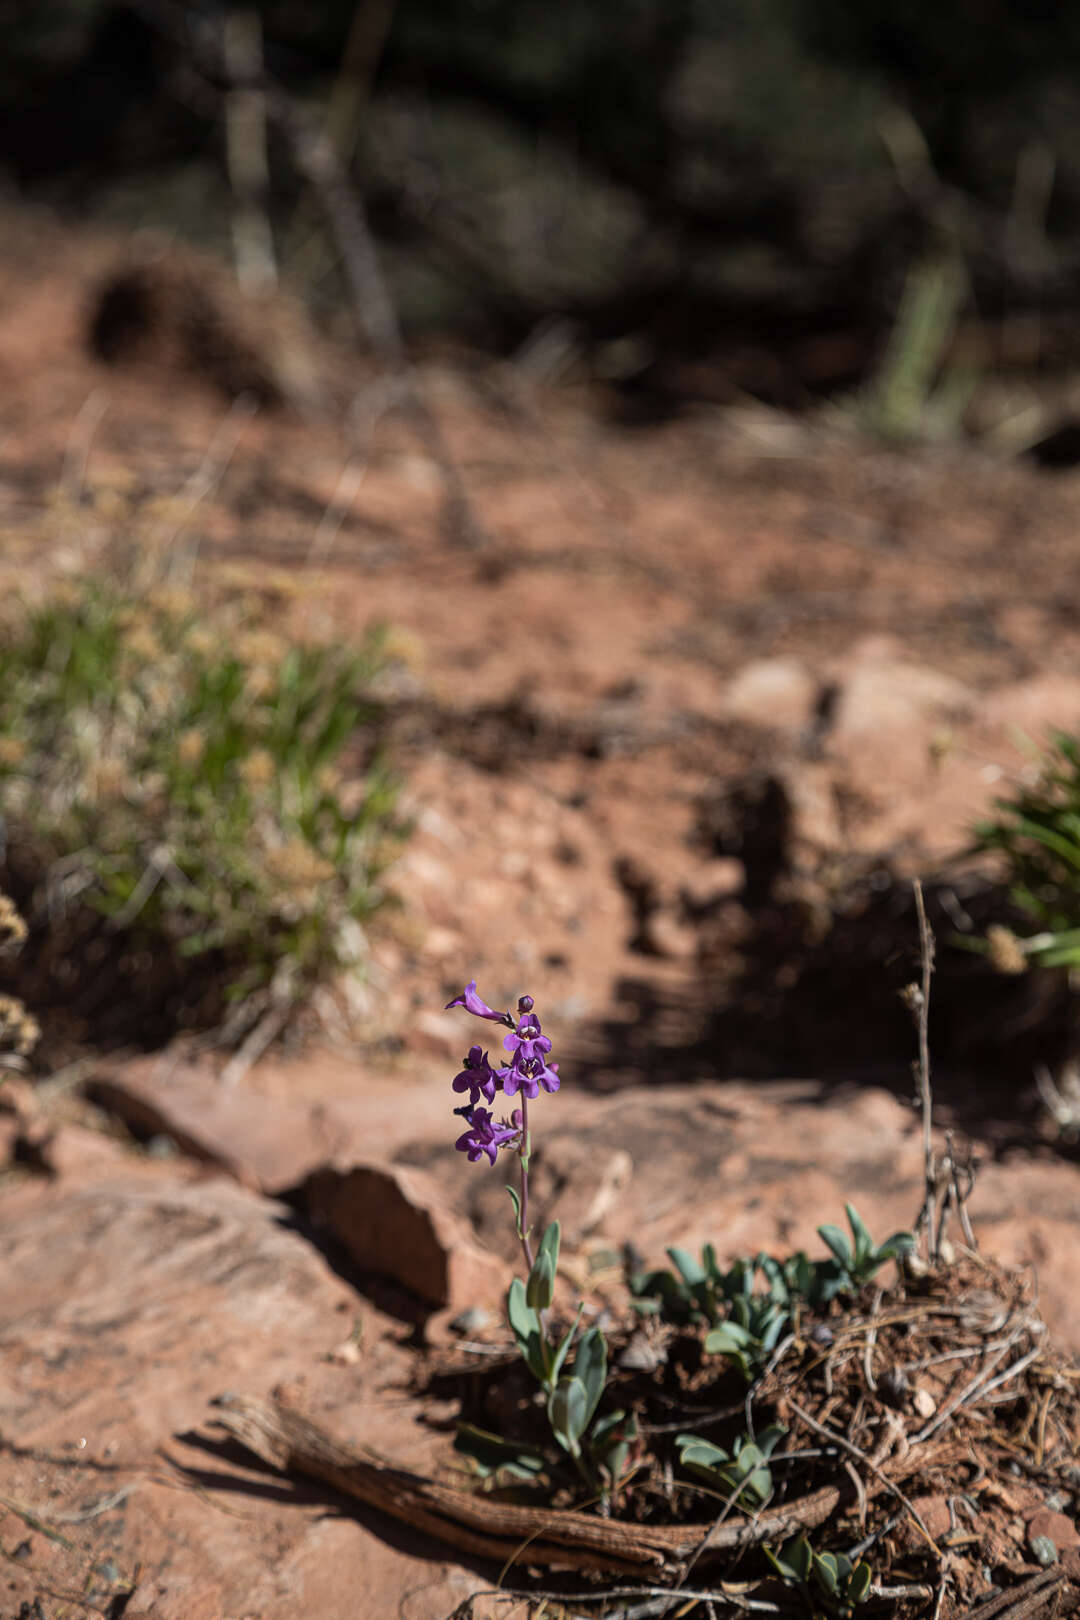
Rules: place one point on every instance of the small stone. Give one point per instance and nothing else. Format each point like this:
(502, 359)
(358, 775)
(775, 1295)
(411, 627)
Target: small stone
(924, 1403)
(777, 692)
(1053, 1526)
(642, 1354)
(471, 1320)
(1043, 1550)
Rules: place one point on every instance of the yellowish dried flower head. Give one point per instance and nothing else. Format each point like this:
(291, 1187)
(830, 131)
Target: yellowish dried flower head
(112, 505)
(12, 751)
(1006, 951)
(258, 769)
(172, 601)
(190, 746)
(19, 1030)
(261, 647)
(107, 779)
(297, 865)
(142, 644)
(201, 641)
(12, 926)
(67, 593)
(259, 682)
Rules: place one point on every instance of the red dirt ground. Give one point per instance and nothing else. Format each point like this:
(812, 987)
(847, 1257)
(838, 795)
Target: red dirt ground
(655, 614)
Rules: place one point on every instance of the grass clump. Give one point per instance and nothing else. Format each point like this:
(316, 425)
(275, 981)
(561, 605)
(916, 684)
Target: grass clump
(190, 798)
(1037, 833)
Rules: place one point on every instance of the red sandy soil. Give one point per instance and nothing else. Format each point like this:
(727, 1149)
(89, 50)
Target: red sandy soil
(655, 613)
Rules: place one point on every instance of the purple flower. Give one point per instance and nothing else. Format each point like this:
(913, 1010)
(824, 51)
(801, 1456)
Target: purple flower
(527, 1042)
(472, 1003)
(529, 1078)
(529, 1069)
(477, 1077)
(484, 1136)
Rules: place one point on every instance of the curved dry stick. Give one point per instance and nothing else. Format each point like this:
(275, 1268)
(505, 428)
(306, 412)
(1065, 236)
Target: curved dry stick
(289, 1442)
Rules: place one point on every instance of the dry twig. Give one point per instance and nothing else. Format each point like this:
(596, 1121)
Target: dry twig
(920, 1000)
(292, 1444)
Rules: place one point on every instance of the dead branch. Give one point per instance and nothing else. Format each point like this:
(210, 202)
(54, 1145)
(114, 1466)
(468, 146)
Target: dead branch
(319, 162)
(503, 1531)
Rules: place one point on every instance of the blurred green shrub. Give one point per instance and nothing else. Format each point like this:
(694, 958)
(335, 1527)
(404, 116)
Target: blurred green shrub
(195, 779)
(1037, 832)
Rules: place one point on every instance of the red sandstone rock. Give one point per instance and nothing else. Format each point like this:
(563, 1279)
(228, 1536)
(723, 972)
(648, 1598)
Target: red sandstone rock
(394, 1221)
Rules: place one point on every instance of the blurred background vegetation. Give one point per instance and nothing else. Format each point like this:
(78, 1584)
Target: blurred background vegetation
(678, 199)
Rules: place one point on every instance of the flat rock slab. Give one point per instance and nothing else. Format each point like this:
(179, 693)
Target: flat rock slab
(131, 1300)
(272, 1130)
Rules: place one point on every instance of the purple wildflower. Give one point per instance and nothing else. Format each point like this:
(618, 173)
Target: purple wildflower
(472, 1003)
(527, 1042)
(529, 1069)
(484, 1136)
(477, 1077)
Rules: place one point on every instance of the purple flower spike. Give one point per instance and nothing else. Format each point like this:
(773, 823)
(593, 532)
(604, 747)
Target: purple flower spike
(484, 1136)
(472, 1003)
(478, 1078)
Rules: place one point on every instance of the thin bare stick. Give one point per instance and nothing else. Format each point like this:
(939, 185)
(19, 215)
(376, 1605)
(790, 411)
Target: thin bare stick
(202, 483)
(921, 1001)
(80, 440)
(245, 151)
(867, 1462)
(977, 1386)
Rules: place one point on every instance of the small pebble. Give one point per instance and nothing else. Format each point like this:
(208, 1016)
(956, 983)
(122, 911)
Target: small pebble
(1043, 1551)
(470, 1320)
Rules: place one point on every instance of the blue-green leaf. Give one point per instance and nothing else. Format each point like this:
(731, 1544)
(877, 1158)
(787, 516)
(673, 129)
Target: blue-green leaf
(590, 1366)
(567, 1413)
(690, 1270)
(899, 1243)
(726, 1339)
(864, 1243)
(540, 1287)
(491, 1453)
(560, 1354)
(838, 1243)
(525, 1325)
(692, 1449)
(826, 1572)
(859, 1583)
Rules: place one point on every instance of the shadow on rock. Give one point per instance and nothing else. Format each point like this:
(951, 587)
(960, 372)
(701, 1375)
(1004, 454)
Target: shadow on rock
(807, 970)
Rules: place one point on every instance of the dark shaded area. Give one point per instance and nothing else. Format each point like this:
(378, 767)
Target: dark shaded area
(101, 987)
(158, 313)
(713, 197)
(807, 972)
